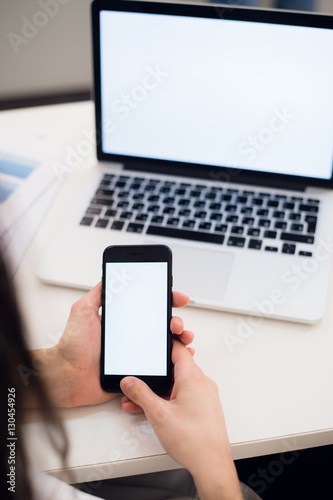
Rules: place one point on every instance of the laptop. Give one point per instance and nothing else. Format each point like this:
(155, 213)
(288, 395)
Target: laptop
(215, 137)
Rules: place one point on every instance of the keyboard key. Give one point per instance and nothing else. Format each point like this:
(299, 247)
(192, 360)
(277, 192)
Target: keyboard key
(232, 218)
(142, 217)
(297, 227)
(199, 204)
(270, 234)
(168, 200)
(126, 215)
(153, 197)
(138, 196)
(215, 206)
(102, 201)
(226, 197)
(280, 225)
(235, 241)
(184, 212)
(237, 230)
(296, 198)
(278, 214)
(117, 224)
(294, 216)
(189, 223)
(123, 194)
(305, 254)
(165, 190)
(205, 225)
(195, 193)
(173, 221)
(157, 219)
(289, 249)
(312, 223)
(149, 188)
(265, 195)
(153, 208)
(221, 228)
(313, 201)
(102, 223)
(248, 220)
(184, 202)
(253, 231)
(257, 201)
(231, 208)
(288, 205)
(105, 192)
(264, 223)
(135, 186)
(86, 221)
(255, 244)
(138, 206)
(241, 199)
(120, 184)
(297, 238)
(122, 204)
(200, 214)
(262, 212)
(93, 210)
(273, 203)
(185, 234)
(308, 208)
(110, 213)
(134, 227)
(180, 192)
(247, 210)
(271, 249)
(168, 210)
(216, 216)
(210, 195)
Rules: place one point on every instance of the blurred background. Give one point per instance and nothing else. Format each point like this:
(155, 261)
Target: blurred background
(45, 50)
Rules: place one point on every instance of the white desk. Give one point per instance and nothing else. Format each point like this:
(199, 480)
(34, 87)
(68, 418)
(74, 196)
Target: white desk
(276, 385)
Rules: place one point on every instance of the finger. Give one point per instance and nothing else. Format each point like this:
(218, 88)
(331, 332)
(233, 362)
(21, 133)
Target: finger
(141, 395)
(130, 407)
(186, 337)
(176, 325)
(95, 296)
(179, 299)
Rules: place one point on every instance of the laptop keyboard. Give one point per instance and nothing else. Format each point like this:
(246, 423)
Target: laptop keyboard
(212, 214)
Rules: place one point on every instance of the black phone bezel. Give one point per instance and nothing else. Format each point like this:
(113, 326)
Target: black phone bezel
(138, 253)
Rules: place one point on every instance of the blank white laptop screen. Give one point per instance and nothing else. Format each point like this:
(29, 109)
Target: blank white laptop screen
(218, 92)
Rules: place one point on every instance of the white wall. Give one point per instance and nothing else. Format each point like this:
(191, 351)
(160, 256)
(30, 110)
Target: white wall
(55, 57)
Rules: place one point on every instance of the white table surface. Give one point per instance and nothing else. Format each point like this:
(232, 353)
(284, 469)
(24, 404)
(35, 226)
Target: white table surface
(275, 384)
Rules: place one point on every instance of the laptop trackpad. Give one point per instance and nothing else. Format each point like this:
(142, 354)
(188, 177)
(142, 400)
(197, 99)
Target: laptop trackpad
(200, 273)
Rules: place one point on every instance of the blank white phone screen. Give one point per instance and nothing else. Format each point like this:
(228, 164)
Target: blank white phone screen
(136, 318)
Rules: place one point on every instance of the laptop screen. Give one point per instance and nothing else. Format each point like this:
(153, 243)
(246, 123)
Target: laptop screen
(217, 92)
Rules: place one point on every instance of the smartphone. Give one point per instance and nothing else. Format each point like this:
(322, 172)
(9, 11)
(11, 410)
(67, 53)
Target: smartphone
(136, 314)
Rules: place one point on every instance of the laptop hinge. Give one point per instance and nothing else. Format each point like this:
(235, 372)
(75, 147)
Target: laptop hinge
(225, 176)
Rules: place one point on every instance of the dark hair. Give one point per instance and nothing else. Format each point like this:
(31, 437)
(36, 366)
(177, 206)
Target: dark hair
(14, 354)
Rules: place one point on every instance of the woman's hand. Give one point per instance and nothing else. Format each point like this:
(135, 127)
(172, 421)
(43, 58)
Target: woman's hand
(71, 369)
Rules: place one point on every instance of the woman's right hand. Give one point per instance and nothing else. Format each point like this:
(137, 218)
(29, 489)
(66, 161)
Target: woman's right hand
(190, 425)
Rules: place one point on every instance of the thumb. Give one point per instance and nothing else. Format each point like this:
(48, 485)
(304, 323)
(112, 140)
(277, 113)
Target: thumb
(140, 394)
